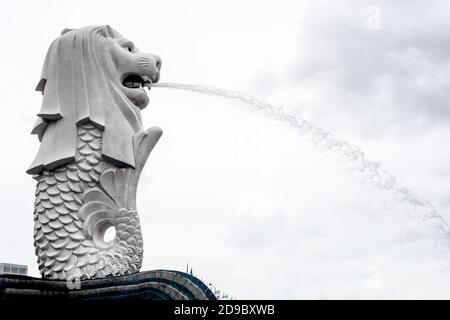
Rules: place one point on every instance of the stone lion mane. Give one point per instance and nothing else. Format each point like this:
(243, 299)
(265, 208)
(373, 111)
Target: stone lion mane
(77, 88)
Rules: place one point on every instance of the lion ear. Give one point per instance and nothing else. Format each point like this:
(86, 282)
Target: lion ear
(66, 30)
(107, 31)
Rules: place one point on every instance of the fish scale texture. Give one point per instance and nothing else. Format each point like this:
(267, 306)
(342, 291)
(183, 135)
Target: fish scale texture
(64, 251)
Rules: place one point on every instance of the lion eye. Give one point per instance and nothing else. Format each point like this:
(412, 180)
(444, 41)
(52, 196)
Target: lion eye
(128, 45)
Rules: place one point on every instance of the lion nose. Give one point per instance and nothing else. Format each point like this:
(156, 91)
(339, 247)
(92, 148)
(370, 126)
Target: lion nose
(158, 61)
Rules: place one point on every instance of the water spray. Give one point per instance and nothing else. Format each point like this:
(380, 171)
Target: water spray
(369, 172)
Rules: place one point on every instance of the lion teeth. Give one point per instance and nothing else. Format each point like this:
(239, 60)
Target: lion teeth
(133, 84)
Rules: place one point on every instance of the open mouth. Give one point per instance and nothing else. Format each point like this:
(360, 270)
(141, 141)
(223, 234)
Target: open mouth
(135, 81)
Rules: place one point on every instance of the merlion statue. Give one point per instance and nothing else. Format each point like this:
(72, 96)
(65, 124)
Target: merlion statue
(93, 148)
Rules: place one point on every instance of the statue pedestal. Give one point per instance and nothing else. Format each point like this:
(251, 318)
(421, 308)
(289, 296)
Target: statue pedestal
(147, 285)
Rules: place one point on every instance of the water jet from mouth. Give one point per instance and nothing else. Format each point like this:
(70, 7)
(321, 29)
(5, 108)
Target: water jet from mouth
(370, 173)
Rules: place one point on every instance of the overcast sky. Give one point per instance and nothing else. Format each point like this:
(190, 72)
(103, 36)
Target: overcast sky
(248, 203)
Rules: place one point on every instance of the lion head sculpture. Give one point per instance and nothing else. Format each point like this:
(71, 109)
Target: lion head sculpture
(92, 74)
